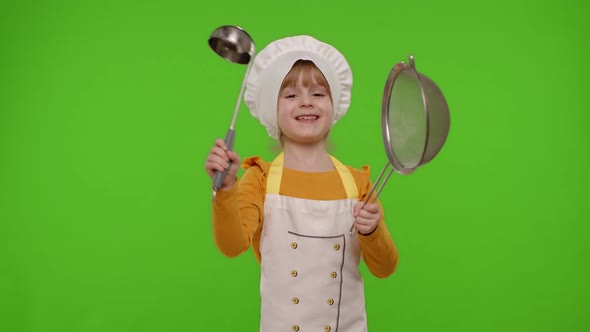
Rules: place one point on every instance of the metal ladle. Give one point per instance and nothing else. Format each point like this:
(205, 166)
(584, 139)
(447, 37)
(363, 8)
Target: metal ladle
(233, 44)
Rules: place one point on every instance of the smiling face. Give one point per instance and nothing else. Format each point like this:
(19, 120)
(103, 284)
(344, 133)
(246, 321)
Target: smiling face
(304, 105)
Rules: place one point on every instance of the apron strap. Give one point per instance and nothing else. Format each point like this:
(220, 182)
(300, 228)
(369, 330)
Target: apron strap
(275, 174)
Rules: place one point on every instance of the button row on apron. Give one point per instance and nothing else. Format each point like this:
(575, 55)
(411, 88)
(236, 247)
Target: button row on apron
(294, 273)
(335, 247)
(327, 328)
(330, 301)
(295, 300)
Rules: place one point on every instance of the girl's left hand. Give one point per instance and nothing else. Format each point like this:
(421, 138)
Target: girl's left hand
(366, 218)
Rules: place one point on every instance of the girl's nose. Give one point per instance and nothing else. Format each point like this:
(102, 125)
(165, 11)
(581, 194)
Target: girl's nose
(305, 101)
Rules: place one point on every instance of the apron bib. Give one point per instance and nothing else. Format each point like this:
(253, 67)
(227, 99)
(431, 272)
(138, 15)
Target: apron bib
(310, 279)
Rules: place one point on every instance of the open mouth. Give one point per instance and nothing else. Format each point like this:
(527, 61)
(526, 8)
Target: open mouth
(307, 118)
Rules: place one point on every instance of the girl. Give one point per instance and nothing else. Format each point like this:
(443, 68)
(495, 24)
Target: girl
(297, 210)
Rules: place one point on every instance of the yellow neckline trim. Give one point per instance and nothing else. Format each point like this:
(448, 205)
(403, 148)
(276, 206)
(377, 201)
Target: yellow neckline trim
(275, 174)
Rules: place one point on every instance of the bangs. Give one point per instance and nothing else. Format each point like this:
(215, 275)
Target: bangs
(308, 72)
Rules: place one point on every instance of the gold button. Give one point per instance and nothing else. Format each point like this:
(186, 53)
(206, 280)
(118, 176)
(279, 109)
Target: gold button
(333, 274)
(293, 273)
(336, 247)
(295, 300)
(294, 245)
(330, 301)
(295, 328)
(327, 328)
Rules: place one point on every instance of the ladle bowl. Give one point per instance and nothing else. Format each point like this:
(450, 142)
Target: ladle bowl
(232, 43)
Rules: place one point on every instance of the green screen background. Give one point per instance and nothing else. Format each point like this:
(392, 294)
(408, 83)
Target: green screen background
(109, 108)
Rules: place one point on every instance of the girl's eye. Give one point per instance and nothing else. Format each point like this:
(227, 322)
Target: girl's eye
(290, 96)
(318, 94)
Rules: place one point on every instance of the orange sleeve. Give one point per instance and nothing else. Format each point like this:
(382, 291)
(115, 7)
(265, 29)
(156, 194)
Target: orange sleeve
(238, 211)
(378, 249)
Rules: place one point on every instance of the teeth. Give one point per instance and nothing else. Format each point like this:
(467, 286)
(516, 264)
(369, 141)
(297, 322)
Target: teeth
(307, 117)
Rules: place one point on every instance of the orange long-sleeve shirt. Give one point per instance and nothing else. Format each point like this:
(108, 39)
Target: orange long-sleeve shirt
(238, 213)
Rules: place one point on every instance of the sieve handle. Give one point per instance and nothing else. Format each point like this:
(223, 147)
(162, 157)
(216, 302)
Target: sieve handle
(381, 184)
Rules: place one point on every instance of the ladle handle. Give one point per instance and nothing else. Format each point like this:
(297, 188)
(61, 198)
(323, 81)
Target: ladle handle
(220, 176)
(229, 137)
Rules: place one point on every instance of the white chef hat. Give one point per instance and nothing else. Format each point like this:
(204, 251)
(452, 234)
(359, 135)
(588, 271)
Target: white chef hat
(272, 64)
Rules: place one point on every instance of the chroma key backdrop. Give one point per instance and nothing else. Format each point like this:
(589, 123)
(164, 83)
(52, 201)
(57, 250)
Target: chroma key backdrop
(108, 110)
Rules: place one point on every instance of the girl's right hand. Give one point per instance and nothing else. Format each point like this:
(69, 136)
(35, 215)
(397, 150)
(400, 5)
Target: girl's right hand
(218, 160)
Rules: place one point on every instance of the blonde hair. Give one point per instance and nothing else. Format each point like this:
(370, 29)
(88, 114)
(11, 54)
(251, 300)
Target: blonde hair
(309, 73)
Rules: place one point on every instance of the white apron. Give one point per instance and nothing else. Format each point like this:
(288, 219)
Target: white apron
(310, 279)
